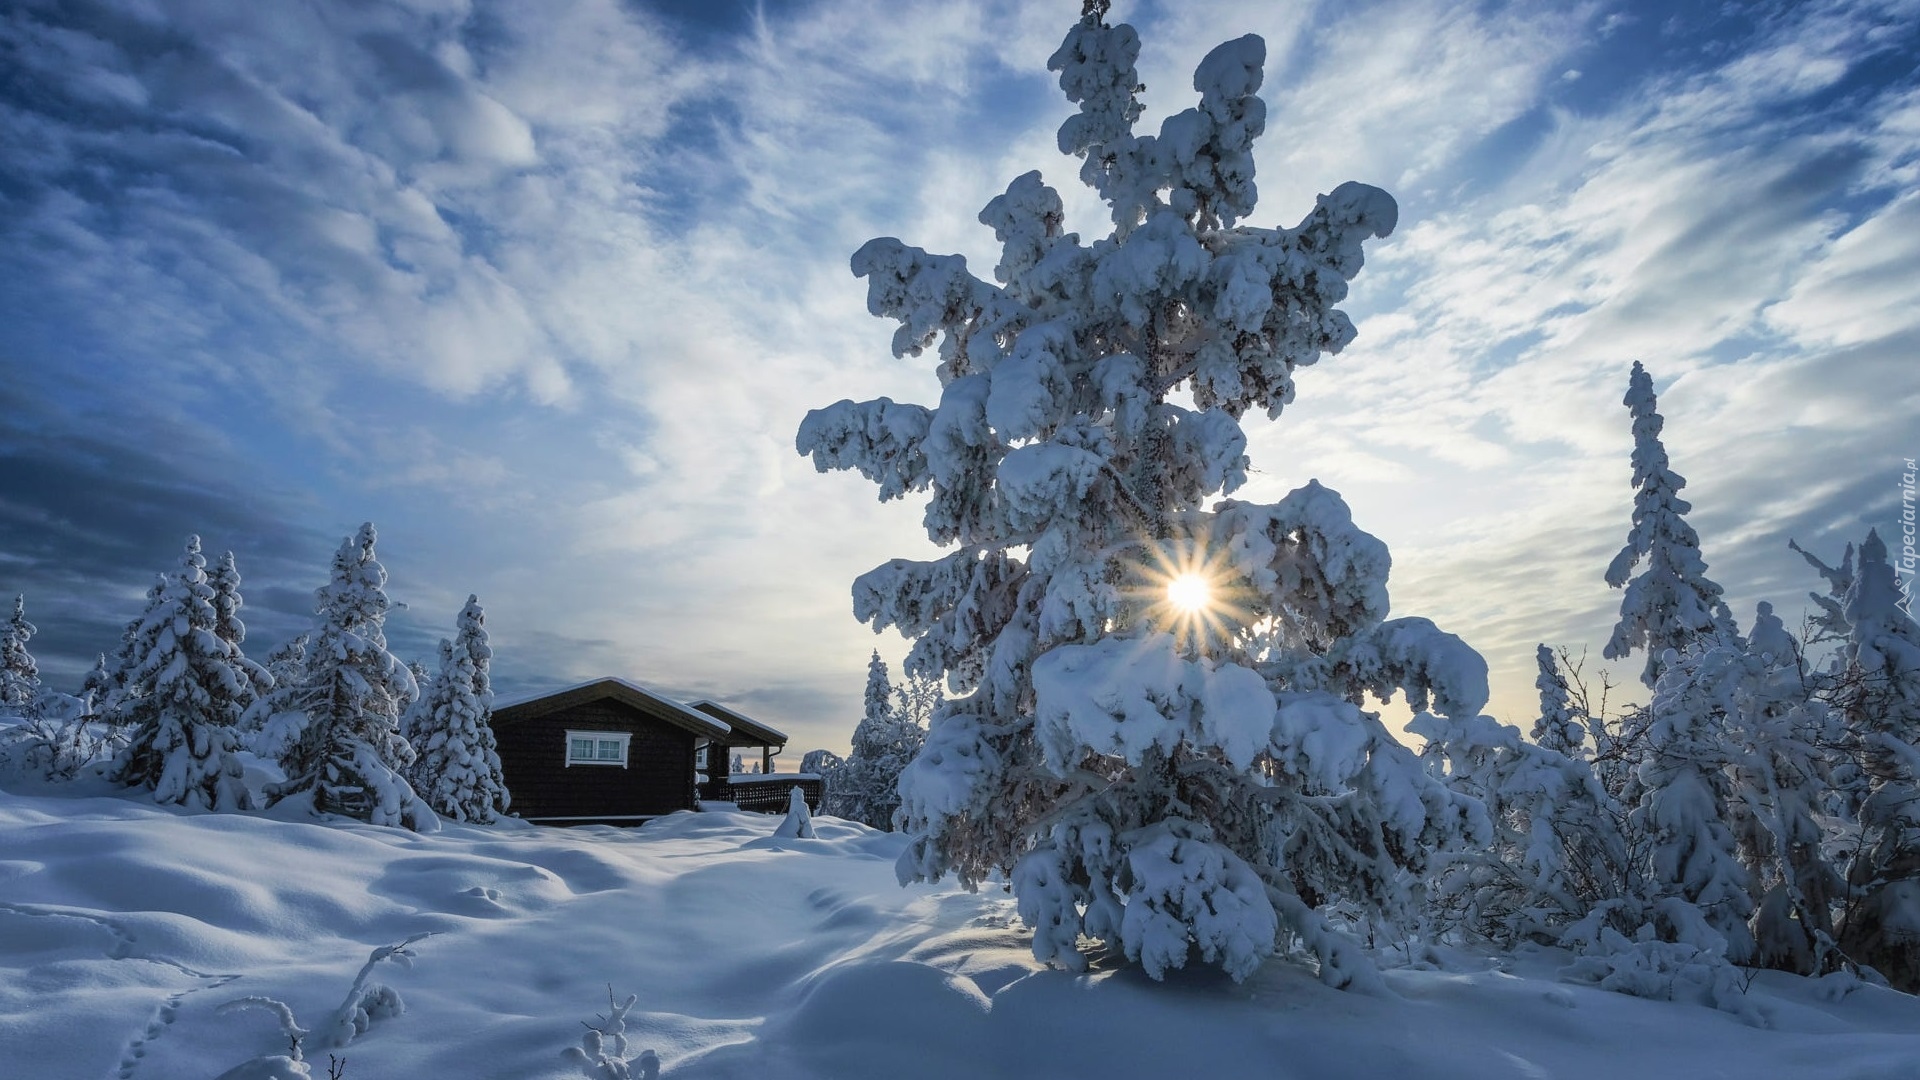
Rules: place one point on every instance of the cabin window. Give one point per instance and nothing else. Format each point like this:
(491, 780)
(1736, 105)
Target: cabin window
(598, 748)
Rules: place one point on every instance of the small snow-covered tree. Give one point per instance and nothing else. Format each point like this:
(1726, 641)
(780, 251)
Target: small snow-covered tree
(338, 730)
(1174, 783)
(276, 717)
(878, 697)
(1777, 732)
(1880, 701)
(98, 688)
(1682, 818)
(602, 1053)
(19, 674)
(288, 663)
(1727, 817)
(917, 700)
(798, 824)
(1559, 728)
(184, 697)
(1830, 624)
(1557, 848)
(865, 787)
(1671, 602)
(457, 768)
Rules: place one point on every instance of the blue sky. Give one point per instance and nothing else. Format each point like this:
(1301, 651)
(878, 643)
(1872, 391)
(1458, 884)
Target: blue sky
(544, 290)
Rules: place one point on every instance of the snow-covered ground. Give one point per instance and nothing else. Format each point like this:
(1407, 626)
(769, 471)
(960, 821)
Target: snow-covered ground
(124, 925)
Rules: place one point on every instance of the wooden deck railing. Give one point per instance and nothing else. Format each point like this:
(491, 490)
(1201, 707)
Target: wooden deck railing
(770, 794)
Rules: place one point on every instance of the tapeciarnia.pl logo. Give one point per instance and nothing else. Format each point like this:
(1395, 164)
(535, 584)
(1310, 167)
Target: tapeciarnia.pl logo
(1904, 565)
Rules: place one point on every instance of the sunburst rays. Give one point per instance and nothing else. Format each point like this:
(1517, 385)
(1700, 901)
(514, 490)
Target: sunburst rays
(1186, 588)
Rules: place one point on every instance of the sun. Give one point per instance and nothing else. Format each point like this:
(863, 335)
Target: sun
(1188, 589)
(1190, 593)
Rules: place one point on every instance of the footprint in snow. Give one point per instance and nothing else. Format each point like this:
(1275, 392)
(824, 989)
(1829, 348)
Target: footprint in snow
(123, 942)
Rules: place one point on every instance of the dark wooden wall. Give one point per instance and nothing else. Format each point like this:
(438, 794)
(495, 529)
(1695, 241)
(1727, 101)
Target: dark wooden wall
(658, 778)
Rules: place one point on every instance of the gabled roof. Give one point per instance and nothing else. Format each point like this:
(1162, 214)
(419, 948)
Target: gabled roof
(746, 731)
(708, 725)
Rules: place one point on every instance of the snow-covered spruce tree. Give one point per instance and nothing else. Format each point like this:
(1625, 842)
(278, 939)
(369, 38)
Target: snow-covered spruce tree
(457, 767)
(121, 664)
(877, 699)
(1559, 727)
(1881, 706)
(338, 730)
(227, 624)
(865, 786)
(1171, 784)
(227, 602)
(19, 674)
(184, 697)
(470, 630)
(1671, 602)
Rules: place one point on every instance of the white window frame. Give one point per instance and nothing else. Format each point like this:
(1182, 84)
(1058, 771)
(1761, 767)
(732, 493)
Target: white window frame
(600, 740)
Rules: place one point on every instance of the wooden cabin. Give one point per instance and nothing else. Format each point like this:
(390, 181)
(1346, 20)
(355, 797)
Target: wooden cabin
(607, 751)
(613, 752)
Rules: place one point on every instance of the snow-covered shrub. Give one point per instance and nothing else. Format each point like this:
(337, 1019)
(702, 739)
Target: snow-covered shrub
(363, 1006)
(1691, 968)
(185, 689)
(1557, 850)
(820, 763)
(1171, 782)
(602, 1053)
(457, 765)
(55, 737)
(337, 731)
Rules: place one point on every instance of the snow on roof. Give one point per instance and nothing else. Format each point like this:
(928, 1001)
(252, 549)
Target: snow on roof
(701, 723)
(747, 730)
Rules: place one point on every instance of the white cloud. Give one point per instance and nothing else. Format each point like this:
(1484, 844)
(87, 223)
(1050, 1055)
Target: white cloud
(604, 272)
